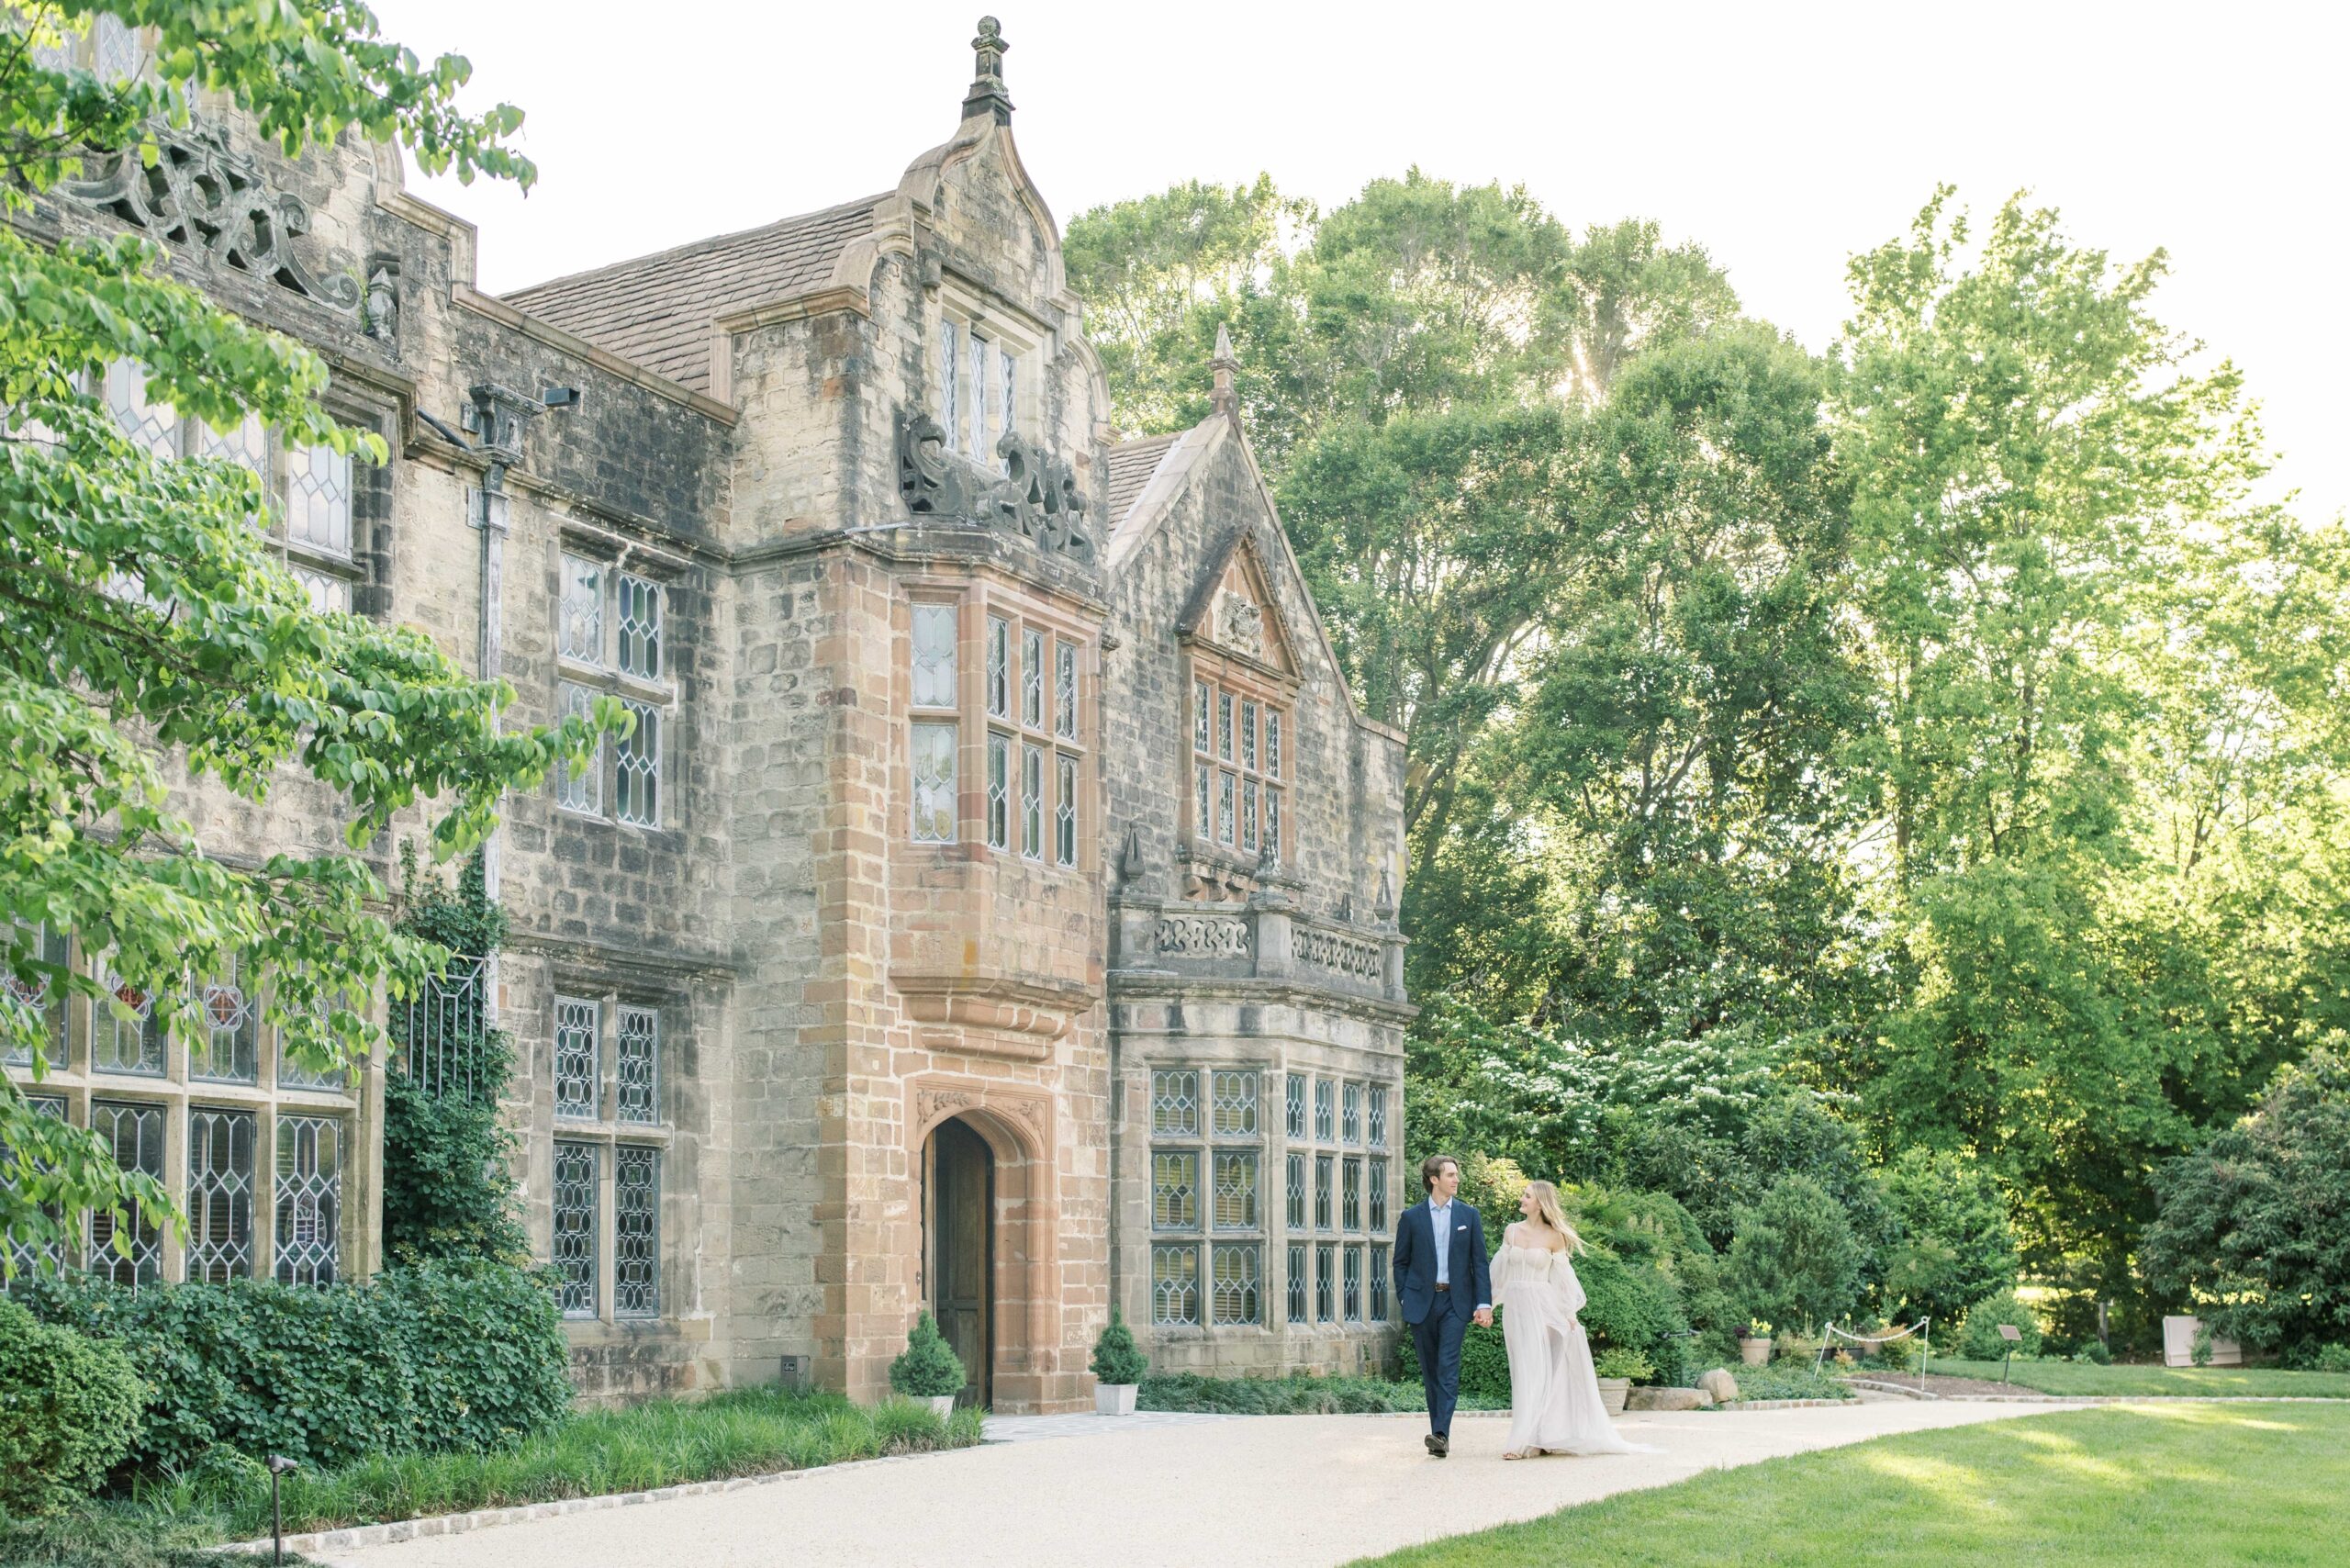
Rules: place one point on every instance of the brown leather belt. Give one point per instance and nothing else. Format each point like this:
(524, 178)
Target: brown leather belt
(1444, 1287)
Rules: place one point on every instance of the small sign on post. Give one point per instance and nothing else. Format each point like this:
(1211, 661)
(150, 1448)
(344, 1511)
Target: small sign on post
(2012, 1334)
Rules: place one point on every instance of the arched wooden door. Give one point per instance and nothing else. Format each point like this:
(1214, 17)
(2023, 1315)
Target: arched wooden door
(962, 1251)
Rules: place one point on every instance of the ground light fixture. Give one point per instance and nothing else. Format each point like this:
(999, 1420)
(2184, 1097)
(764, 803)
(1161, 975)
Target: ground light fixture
(278, 1465)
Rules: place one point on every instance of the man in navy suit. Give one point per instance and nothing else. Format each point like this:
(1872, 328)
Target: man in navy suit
(1442, 1281)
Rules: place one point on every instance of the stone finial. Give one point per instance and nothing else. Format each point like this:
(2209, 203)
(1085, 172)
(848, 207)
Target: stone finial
(1224, 400)
(1385, 906)
(987, 96)
(1130, 860)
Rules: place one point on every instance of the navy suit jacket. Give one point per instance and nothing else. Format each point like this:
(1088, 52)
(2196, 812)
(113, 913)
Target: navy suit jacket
(1466, 1269)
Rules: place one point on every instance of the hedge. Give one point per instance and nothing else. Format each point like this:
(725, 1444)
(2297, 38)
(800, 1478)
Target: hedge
(1632, 1307)
(434, 1357)
(69, 1406)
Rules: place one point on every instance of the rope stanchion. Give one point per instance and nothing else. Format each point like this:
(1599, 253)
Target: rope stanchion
(1923, 1328)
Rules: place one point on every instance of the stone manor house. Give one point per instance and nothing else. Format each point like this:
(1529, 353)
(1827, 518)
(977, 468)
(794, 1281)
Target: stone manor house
(993, 909)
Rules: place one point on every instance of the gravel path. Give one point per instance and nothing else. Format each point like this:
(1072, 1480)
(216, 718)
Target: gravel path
(1307, 1490)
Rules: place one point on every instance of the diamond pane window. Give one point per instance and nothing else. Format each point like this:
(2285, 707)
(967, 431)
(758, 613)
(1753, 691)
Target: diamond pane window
(575, 1228)
(1377, 1182)
(1226, 812)
(1235, 1190)
(1202, 821)
(1236, 1287)
(25, 1257)
(1249, 813)
(1032, 802)
(292, 1074)
(1301, 1280)
(1065, 690)
(1325, 1283)
(1174, 1189)
(154, 426)
(1296, 1192)
(1223, 725)
(636, 1232)
(1272, 846)
(1249, 736)
(950, 371)
(1379, 1273)
(1325, 1170)
(1031, 678)
(310, 1200)
(636, 771)
(935, 633)
(1175, 1103)
(219, 1196)
(577, 1055)
(1350, 1194)
(1294, 1097)
(42, 995)
(325, 593)
(579, 613)
(1354, 1284)
(1065, 813)
(976, 405)
(639, 1087)
(116, 48)
(135, 1134)
(227, 1047)
(999, 667)
(245, 444)
(934, 783)
(1008, 412)
(1175, 1282)
(580, 790)
(1350, 1117)
(318, 499)
(1234, 1095)
(1203, 699)
(1379, 1115)
(1273, 744)
(999, 790)
(1322, 1109)
(640, 626)
(127, 1036)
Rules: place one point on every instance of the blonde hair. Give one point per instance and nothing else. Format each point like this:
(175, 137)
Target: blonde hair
(1547, 1209)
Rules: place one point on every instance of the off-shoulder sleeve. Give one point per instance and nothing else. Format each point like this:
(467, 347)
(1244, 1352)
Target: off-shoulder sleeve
(1570, 1289)
(1500, 1276)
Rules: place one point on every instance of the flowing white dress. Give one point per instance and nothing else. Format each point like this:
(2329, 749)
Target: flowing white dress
(1554, 1402)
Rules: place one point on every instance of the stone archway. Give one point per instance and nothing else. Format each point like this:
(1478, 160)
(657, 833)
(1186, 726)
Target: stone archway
(959, 1249)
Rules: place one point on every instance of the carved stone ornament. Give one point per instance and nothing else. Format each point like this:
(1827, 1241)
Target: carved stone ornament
(203, 197)
(934, 1102)
(1242, 625)
(1341, 954)
(1202, 936)
(1036, 496)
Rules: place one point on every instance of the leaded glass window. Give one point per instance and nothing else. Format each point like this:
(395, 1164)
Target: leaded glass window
(1249, 736)
(227, 1047)
(1226, 812)
(636, 1231)
(1175, 1282)
(116, 48)
(1273, 848)
(1175, 1103)
(1223, 725)
(1325, 1283)
(1350, 1115)
(999, 790)
(1379, 1273)
(1031, 678)
(1377, 1182)
(318, 499)
(26, 1257)
(135, 1134)
(1350, 1193)
(950, 373)
(581, 610)
(219, 1196)
(934, 635)
(1032, 802)
(638, 1089)
(1322, 1110)
(1325, 1170)
(1235, 1190)
(976, 405)
(934, 783)
(1293, 1090)
(154, 426)
(1065, 813)
(640, 626)
(308, 1200)
(128, 1036)
(636, 773)
(1174, 1188)
(1065, 690)
(1379, 1115)
(578, 1059)
(1296, 1192)
(580, 790)
(999, 668)
(1353, 1299)
(1273, 744)
(1202, 701)
(1008, 418)
(1234, 1093)
(245, 446)
(1300, 1281)
(1204, 784)
(1248, 814)
(42, 995)
(292, 1074)
(325, 592)
(576, 1178)
(1237, 1272)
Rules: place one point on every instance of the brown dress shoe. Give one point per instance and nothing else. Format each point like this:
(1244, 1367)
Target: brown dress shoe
(1439, 1445)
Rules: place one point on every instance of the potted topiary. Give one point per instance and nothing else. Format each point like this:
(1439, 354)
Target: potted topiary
(1754, 1343)
(929, 1369)
(1618, 1369)
(1118, 1366)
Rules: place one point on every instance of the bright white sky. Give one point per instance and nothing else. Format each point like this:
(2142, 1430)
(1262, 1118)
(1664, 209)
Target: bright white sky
(1783, 137)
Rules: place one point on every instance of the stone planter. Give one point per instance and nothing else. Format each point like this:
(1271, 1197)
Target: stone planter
(941, 1405)
(1753, 1352)
(1613, 1392)
(1114, 1398)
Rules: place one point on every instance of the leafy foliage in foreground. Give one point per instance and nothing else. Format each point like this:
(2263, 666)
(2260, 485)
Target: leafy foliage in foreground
(1301, 1394)
(69, 1408)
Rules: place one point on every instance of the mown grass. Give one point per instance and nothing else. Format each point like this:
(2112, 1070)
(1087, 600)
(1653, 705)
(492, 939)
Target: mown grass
(2117, 1487)
(1790, 1380)
(2088, 1378)
(1299, 1395)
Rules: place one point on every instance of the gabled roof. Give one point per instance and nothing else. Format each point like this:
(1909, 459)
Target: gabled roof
(1132, 463)
(659, 311)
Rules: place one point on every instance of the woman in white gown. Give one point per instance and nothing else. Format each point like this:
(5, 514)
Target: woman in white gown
(1554, 1404)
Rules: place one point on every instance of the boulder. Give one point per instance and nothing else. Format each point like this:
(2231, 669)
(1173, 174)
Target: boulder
(1665, 1399)
(1718, 1386)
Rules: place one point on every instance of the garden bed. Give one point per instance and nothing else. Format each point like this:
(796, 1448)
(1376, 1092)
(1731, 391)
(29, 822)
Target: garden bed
(1302, 1395)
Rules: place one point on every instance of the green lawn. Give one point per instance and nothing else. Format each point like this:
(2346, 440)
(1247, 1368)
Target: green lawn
(2087, 1377)
(2125, 1486)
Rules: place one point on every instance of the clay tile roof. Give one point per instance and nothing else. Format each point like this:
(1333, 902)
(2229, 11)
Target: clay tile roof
(656, 311)
(1132, 463)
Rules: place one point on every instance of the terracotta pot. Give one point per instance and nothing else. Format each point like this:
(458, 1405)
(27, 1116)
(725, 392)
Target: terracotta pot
(1753, 1352)
(1613, 1392)
(1114, 1398)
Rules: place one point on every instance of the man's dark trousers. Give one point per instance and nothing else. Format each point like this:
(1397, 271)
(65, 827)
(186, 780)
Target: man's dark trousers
(1439, 1318)
(1438, 1338)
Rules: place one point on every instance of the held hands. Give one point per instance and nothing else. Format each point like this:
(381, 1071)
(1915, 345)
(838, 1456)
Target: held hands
(1485, 1318)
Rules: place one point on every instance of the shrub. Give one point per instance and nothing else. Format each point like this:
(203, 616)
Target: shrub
(1485, 1364)
(2331, 1359)
(1634, 1307)
(2094, 1350)
(1116, 1358)
(437, 1359)
(1298, 1395)
(1958, 1243)
(69, 1409)
(1621, 1363)
(1794, 1258)
(928, 1369)
(1979, 1338)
